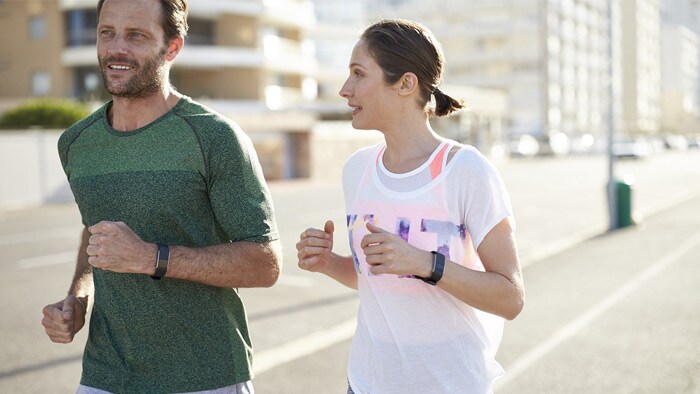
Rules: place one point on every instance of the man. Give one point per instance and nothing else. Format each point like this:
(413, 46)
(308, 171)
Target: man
(166, 189)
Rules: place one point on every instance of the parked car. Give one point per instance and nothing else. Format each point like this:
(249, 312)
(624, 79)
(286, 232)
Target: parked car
(635, 148)
(524, 146)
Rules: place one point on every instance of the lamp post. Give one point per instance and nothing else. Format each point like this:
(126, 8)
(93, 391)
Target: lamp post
(612, 190)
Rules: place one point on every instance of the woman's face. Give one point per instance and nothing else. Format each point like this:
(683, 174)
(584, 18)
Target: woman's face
(367, 94)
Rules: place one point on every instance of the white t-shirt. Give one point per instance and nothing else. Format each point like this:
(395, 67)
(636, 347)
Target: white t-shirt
(412, 337)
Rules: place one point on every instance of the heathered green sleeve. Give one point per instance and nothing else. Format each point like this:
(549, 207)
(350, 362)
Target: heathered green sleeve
(239, 195)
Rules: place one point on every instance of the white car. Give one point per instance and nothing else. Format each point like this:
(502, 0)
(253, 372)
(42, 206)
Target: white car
(631, 149)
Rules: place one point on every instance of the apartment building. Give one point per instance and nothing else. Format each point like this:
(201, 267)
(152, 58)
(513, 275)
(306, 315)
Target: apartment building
(553, 58)
(641, 66)
(339, 26)
(248, 59)
(680, 66)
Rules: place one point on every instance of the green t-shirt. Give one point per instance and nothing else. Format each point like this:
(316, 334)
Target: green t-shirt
(189, 178)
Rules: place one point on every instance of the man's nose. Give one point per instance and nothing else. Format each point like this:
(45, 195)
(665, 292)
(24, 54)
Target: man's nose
(117, 45)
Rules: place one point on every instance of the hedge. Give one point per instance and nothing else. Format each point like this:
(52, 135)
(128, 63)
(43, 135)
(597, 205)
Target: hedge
(43, 113)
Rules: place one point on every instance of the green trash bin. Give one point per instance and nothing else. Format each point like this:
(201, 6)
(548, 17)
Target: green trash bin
(623, 189)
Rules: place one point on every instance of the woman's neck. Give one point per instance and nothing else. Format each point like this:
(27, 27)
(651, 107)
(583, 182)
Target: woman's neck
(407, 148)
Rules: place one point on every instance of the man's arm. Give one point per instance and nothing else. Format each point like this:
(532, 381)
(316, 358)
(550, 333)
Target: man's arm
(63, 319)
(113, 246)
(237, 264)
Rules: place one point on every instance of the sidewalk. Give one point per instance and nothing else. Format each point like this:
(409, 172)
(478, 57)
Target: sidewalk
(619, 313)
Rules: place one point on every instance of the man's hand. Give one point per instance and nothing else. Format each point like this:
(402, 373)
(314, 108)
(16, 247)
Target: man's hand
(387, 253)
(115, 247)
(64, 319)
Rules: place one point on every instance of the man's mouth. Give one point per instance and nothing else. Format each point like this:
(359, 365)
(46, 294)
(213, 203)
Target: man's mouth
(119, 67)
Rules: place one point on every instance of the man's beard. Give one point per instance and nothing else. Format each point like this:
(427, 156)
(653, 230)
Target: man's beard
(148, 78)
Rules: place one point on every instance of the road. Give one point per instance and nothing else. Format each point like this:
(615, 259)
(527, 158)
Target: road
(576, 310)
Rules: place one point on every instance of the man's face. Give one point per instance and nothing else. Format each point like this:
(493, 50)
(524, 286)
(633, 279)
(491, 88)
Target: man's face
(131, 48)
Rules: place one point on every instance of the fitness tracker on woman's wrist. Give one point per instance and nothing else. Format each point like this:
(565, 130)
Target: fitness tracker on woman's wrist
(438, 269)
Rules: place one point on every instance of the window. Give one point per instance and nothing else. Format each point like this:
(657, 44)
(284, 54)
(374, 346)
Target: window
(200, 32)
(41, 83)
(81, 27)
(37, 28)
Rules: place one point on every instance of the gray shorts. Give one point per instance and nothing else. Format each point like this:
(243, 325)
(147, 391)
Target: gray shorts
(240, 388)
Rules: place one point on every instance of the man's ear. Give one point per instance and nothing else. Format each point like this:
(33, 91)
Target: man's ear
(408, 84)
(174, 47)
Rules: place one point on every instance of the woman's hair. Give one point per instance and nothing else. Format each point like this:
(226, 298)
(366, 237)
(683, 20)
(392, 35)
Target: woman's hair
(173, 14)
(401, 46)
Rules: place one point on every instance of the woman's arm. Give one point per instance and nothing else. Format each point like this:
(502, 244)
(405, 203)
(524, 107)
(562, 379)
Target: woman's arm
(498, 290)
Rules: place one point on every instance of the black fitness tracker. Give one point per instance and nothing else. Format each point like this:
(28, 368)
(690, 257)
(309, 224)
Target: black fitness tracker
(162, 260)
(438, 268)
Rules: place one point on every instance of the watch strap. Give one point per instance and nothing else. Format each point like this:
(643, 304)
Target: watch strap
(438, 268)
(162, 260)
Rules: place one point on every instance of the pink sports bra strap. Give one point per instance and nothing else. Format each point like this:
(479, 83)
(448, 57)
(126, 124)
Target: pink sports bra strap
(438, 162)
(379, 155)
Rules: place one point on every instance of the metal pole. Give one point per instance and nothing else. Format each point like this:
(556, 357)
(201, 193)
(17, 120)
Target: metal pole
(612, 191)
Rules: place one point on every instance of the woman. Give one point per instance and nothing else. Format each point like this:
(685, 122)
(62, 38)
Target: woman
(430, 228)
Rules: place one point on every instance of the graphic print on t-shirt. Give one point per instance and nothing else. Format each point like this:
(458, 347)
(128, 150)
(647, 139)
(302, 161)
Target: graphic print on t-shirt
(429, 231)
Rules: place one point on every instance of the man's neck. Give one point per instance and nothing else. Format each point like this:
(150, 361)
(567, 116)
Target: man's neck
(127, 114)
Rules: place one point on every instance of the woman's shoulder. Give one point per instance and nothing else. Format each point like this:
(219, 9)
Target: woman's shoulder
(465, 154)
(363, 155)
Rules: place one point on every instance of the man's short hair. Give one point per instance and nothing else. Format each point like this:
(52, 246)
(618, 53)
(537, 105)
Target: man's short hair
(174, 17)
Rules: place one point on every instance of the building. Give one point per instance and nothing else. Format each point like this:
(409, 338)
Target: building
(248, 59)
(339, 26)
(551, 57)
(641, 66)
(555, 60)
(680, 67)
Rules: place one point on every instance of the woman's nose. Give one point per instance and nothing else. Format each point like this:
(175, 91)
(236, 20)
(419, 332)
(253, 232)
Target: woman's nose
(344, 90)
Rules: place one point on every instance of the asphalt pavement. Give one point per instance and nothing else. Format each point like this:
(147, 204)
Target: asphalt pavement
(605, 312)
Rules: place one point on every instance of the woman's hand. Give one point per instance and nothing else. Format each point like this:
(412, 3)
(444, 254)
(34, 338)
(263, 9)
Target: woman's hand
(315, 247)
(387, 253)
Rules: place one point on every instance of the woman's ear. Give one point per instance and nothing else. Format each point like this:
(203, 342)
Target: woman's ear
(408, 84)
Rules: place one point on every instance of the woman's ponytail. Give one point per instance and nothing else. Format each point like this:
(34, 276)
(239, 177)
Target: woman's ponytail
(444, 104)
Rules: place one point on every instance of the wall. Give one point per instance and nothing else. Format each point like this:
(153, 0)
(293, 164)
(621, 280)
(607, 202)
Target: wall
(332, 143)
(30, 170)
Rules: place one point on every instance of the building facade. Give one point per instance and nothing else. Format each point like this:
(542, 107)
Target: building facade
(251, 60)
(680, 67)
(556, 61)
(339, 26)
(641, 66)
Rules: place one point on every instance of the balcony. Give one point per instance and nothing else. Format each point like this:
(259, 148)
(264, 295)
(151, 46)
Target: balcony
(288, 56)
(299, 14)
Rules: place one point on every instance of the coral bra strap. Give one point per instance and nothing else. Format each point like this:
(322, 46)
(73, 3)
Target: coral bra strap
(437, 164)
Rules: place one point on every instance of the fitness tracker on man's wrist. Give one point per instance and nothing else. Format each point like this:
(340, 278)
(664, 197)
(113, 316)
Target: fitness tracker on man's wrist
(162, 260)
(438, 268)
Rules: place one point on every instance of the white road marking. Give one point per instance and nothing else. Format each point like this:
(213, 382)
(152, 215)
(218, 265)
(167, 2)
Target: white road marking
(534, 355)
(316, 341)
(47, 260)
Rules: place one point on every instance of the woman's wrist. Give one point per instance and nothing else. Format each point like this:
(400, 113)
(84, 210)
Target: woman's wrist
(426, 264)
